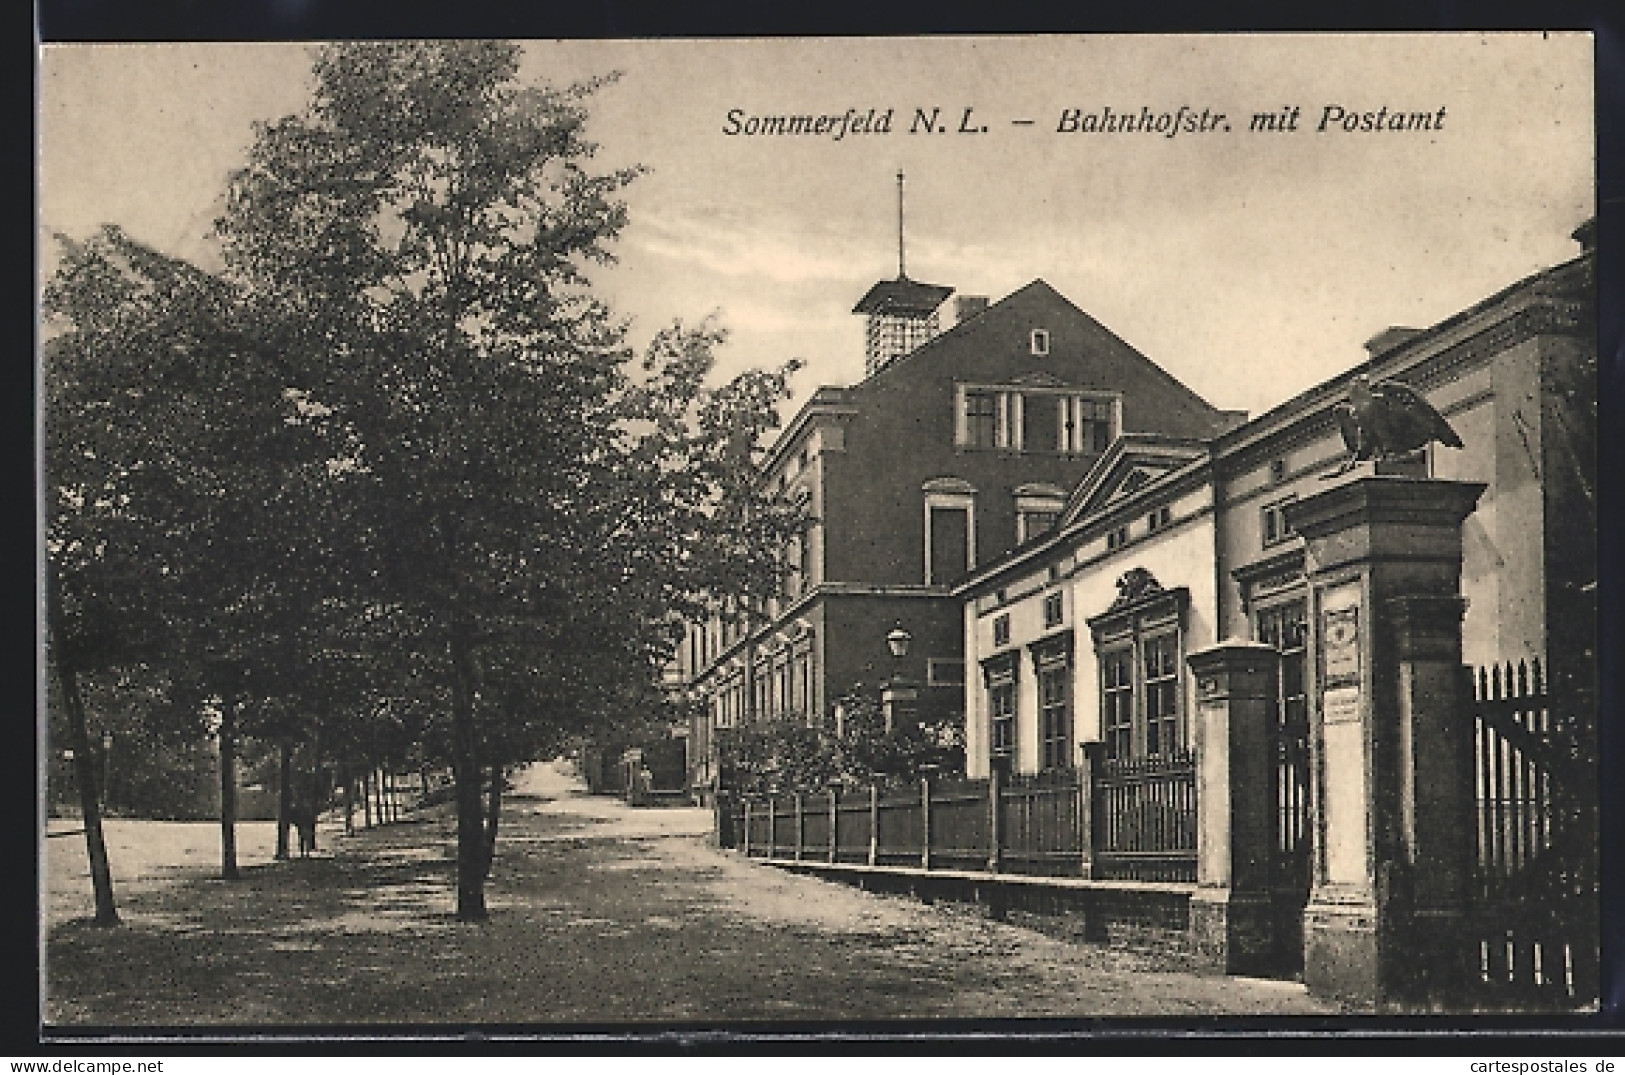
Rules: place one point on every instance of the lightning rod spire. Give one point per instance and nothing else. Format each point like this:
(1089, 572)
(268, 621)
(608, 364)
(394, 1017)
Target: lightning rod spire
(900, 273)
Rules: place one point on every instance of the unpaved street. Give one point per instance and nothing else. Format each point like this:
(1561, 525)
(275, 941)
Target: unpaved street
(599, 914)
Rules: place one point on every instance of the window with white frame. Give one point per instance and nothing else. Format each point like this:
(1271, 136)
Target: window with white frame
(950, 530)
(1040, 342)
(1038, 509)
(1034, 419)
(1000, 683)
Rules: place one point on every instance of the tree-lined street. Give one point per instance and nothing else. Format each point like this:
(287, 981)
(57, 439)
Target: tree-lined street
(598, 913)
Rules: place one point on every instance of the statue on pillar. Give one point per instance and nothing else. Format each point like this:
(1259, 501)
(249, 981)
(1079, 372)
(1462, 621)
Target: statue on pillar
(1388, 422)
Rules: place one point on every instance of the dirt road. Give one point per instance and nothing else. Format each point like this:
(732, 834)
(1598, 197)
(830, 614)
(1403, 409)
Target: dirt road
(600, 914)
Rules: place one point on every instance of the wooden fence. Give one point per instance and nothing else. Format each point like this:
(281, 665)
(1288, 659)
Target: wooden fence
(1128, 822)
(1534, 921)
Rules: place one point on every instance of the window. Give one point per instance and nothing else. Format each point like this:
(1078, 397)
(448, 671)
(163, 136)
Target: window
(1029, 524)
(804, 559)
(1054, 716)
(1041, 423)
(944, 672)
(950, 530)
(981, 419)
(950, 544)
(1285, 626)
(1274, 524)
(1001, 629)
(1158, 519)
(1161, 694)
(1277, 471)
(1116, 539)
(1052, 609)
(1034, 419)
(1117, 702)
(1040, 342)
(1001, 705)
(1140, 649)
(1098, 420)
(1038, 509)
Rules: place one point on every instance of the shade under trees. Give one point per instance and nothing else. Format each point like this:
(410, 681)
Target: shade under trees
(397, 462)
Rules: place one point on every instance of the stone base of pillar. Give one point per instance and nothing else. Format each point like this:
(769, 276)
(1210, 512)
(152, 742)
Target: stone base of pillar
(1340, 951)
(1233, 932)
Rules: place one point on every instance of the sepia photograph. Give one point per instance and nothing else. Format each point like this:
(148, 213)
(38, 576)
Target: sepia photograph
(932, 534)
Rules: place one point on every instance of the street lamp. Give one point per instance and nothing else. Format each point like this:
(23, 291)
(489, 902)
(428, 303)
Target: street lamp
(897, 641)
(897, 694)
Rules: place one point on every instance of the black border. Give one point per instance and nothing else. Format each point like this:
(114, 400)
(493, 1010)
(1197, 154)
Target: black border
(1578, 1037)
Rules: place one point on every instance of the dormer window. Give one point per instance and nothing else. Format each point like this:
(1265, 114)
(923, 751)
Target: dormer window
(1040, 342)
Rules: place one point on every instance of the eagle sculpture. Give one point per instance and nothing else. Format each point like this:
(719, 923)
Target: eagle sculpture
(1387, 420)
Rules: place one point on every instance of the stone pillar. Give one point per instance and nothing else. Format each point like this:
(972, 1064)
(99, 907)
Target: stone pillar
(1390, 747)
(1231, 916)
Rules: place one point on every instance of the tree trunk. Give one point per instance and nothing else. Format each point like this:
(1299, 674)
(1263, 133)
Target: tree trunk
(423, 784)
(319, 789)
(284, 797)
(84, 766)
(228, 790)
(493, 810)
(349, 797)
(101, 873)
(366, 795)
(465, 755)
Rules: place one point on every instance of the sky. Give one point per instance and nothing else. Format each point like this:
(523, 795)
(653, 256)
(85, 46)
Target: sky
(1249, 264)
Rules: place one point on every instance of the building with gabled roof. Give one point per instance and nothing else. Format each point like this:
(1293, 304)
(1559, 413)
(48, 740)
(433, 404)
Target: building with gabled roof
(953, 450)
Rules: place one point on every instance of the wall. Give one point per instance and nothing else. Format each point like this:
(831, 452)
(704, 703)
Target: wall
(1179, 554)
(904, 433)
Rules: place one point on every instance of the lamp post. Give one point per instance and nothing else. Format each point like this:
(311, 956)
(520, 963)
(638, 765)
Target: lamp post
(898, 695)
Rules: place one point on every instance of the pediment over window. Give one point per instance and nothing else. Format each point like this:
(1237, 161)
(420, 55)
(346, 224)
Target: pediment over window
(949, 485)
(1141, 602)
(1038, 379)
(1133, 462)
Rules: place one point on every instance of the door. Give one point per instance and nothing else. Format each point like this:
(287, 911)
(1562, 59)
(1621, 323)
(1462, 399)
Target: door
(1285, 626)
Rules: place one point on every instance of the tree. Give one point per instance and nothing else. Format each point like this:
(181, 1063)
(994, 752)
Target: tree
(192, 509)
(417, 242)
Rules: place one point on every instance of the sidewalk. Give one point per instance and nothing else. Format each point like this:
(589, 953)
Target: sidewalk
(599, 914)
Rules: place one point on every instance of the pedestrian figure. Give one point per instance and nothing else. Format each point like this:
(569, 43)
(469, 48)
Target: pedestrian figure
(302, 815)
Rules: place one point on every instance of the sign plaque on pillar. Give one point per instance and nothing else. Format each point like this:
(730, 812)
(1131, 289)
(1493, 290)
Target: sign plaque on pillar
(1341, 634)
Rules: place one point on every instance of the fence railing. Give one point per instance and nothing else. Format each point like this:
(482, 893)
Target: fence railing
(1534, 921)
(1145, 818)
(1046, 824)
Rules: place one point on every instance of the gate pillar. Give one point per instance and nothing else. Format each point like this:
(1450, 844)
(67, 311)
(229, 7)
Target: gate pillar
(1393, 802)
(1231, 913)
